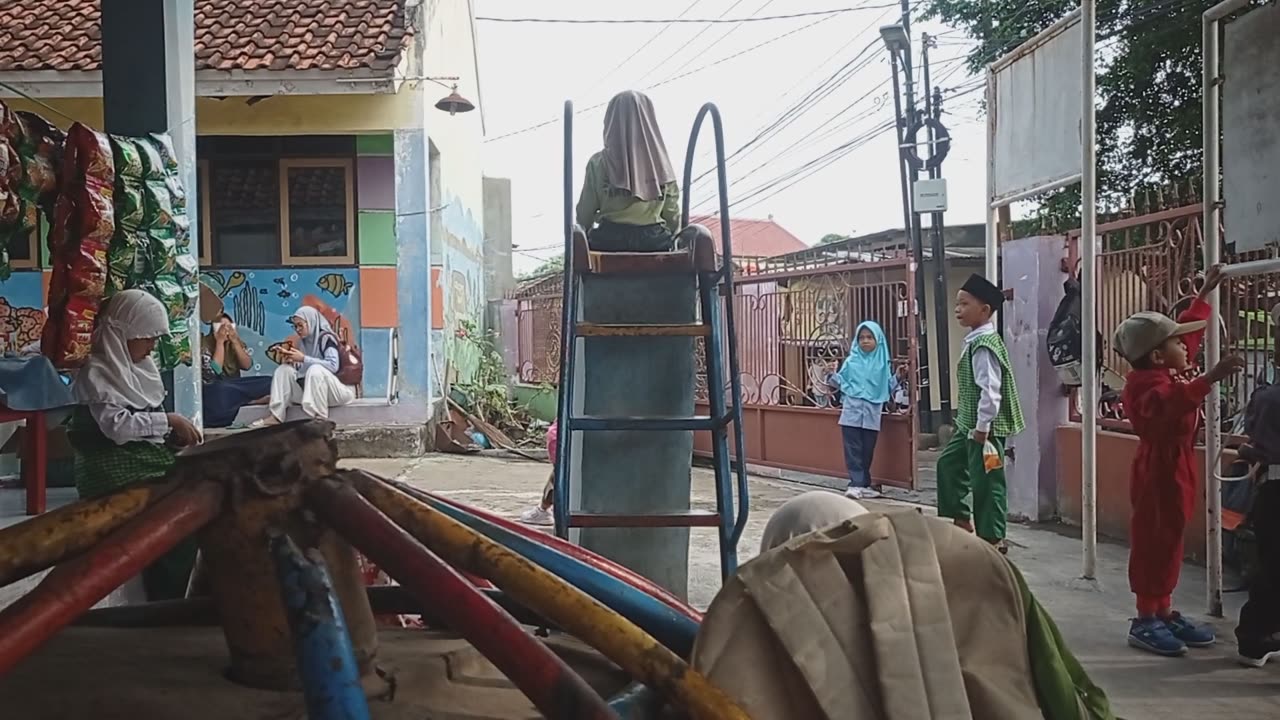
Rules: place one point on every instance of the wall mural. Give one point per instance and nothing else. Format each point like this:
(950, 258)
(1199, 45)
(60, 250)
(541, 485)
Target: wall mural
(462, 282)
(262, 300)
(21, 310)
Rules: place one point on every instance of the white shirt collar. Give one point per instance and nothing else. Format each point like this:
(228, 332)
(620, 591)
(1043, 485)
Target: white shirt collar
(974, 334)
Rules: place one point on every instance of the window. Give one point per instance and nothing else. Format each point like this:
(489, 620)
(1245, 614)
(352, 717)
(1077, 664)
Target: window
(24, 253)
(317, 212)
(245, 210)
(202, 202)
(267, 201)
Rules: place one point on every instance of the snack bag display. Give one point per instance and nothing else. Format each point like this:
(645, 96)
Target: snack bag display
(79, 239)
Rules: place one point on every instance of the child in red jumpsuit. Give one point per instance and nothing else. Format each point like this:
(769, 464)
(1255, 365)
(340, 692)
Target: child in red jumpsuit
(1164, 410)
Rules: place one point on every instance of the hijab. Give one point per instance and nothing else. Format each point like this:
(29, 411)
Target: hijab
(320, 334)
(803, 514)
(635, 157)
(110, 376)
(865, 375)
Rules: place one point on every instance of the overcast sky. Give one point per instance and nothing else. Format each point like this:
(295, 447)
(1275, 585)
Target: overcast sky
(755, 72)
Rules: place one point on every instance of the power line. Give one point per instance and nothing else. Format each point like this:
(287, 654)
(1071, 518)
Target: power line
(665, 81)
(640, 49)
(691, 42)
(682, 20)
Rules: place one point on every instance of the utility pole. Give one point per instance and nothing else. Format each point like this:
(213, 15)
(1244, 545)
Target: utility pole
(941, 297)
(899, 42)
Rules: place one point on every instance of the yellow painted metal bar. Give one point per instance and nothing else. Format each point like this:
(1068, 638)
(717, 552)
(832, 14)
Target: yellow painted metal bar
(46, 540)
(617, 638)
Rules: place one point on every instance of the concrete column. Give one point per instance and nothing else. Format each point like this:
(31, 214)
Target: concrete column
(1032, 269)
(498, 276)
(637, 472)
(413, 269)
(148, 85)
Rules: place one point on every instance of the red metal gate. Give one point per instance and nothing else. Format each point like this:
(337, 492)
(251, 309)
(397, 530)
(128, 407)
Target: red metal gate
(790, 322)
(793, 324)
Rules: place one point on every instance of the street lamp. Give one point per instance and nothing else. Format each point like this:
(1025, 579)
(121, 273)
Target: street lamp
(895, 38)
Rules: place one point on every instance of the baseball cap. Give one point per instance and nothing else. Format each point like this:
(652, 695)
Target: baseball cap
(1146, 330)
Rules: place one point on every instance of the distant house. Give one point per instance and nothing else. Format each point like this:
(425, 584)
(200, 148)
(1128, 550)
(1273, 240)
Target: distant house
(753, 238)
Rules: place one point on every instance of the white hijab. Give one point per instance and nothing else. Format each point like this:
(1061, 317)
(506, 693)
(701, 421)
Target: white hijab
(803, 514)
(635, 157)
(110, 376)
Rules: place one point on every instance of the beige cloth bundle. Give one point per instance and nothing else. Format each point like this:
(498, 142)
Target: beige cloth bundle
(893, 616)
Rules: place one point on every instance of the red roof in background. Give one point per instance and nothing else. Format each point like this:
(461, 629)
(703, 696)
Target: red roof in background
(753, 238)
(229, 35)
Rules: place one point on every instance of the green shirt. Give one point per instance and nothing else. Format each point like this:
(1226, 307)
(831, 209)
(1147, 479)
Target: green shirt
(1008, 421)
(599, 202)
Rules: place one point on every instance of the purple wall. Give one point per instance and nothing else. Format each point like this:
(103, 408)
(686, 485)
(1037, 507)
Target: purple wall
(376, 182)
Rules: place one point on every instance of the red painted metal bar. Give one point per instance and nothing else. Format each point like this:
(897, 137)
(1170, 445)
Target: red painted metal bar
(553, 687)
(35, 461)
(76, 585)
(635, 580)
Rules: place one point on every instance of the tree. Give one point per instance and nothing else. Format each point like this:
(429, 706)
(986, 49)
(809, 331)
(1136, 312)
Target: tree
(547, 267)
(832, 238)
(1149, 83)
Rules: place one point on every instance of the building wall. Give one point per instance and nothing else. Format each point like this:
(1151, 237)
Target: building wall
(457, 245)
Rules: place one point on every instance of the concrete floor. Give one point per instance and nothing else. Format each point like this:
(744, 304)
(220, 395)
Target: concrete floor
(1094, 619)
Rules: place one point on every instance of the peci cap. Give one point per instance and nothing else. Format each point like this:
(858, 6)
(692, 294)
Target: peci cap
(984, 290)
(1146, 330)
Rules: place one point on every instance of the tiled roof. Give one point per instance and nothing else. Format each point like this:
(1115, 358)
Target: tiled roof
(754, 238)
(229, 35)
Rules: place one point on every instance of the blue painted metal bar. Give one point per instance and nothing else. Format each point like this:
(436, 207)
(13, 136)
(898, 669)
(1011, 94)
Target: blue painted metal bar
(655, 617)
(726, 266)
(568, 325)
(326, 659)
(636, 702)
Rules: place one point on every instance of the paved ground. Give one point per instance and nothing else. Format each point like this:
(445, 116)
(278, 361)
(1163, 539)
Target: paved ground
(1205, 685)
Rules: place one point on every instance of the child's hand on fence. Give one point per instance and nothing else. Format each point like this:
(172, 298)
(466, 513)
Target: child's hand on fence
(1226, 367)
(1212, 279)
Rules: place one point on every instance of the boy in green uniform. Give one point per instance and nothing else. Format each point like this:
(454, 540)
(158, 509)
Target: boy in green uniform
(969, 493)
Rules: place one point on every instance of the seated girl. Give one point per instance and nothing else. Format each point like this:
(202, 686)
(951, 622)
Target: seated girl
(121, 434)
(309, 373)
(224, 357)
(630, 200)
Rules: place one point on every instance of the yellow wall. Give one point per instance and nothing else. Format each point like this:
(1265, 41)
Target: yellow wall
(276, 115)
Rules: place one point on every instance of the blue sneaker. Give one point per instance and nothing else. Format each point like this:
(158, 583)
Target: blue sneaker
(1152, 635)
(1192, 634)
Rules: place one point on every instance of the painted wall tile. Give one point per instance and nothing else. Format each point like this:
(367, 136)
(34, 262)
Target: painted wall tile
(379, 144)
(22, 307)
(378, 304)
(375, 345)
(376, 183)
(377, 238)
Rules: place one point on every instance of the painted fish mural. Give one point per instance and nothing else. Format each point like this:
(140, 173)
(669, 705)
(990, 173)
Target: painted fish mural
(335, 284)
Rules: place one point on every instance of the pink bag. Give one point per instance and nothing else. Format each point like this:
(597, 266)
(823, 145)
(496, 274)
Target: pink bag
(552, 434)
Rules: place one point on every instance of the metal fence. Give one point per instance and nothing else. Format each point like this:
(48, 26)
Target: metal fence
(795, 325)
(1152, 259)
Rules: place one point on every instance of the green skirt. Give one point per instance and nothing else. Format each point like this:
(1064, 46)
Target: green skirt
(102, 467)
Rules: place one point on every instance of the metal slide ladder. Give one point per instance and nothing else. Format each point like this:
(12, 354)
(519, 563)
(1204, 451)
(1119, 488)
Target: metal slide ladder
(698, 262)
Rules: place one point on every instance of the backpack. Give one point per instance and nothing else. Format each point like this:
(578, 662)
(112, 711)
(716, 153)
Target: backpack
(1064, 339)
(350, 363)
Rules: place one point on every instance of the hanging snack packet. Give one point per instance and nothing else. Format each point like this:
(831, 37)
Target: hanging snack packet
(991, 459)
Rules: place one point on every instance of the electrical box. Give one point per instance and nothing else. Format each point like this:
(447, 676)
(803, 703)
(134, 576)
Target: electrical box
(929, 196)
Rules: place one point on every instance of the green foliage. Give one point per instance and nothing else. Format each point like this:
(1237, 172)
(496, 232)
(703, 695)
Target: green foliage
(555, 264)
(1149, 85)
(487, 387)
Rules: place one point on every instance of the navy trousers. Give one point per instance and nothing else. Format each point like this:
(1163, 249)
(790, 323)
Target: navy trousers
(859, 449)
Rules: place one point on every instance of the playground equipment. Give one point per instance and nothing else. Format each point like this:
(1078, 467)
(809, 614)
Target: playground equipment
(697, 264)
(279, 526)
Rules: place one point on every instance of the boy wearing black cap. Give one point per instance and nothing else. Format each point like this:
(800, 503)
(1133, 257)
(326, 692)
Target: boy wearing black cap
(1164, 411)
(988, 412)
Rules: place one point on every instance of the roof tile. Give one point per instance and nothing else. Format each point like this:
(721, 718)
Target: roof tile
(229, 35)
(753, 238)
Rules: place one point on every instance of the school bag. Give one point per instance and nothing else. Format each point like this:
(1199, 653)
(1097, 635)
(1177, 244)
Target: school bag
(1065, 336)
(350, 362)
